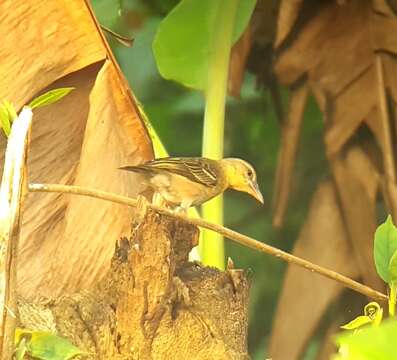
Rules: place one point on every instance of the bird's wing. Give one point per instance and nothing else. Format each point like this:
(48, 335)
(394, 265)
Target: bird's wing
(199, 170)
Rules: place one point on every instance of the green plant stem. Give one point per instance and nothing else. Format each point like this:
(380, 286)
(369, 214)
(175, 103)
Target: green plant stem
(212, 246)
(392, 299)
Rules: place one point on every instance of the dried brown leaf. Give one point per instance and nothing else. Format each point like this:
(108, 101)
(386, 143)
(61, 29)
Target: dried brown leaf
(357, 183)
(350, 107)
(43, 41)
(288, 14)
(326, 240)
(289, 144)
(67, 242)
(385, 121)
(389, 62)
(389, 190)
(393, 5)
(321, 46)
(349, 303)
(238, 59)
(382, 7)
(264, 22)
(336, 50)
(382, 32)
(306, 296)
(346, 50)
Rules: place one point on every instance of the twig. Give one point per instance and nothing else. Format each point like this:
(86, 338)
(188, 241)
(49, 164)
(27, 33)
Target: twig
(124, 40)
(12, 192)
(231, 234)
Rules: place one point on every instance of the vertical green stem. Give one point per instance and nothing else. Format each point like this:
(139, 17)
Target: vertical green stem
(212, 247)
(392, 299)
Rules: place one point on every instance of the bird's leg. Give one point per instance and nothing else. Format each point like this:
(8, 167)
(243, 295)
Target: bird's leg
(141, 201)
(141, 208)
(158, 200)
(182, 209)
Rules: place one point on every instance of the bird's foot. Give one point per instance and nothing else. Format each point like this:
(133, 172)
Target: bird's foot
(140, 210)
(158, 200)
(180, 210)
(183, 207)
(182, 292)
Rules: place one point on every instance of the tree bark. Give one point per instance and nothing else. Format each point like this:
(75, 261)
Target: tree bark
(153, 303)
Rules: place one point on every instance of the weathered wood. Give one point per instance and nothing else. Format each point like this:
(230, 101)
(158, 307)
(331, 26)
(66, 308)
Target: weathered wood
(153, 303)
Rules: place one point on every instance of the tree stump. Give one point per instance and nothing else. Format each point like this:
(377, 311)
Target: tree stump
(153, 303)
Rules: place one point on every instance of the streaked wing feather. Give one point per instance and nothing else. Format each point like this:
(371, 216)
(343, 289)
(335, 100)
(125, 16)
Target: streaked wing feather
(196, 169)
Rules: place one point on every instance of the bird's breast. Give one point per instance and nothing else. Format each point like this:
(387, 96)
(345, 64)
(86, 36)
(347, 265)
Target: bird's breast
(177, 189)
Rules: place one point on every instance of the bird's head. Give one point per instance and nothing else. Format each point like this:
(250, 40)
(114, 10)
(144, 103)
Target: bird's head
(241, 176)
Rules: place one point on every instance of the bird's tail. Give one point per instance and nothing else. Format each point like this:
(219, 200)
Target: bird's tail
(133, 168)
(138, 169)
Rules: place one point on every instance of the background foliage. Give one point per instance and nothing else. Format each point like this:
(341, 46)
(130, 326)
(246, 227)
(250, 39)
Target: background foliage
(252, 132)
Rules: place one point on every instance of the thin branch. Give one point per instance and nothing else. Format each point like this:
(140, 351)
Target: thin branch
(231, 234)
(124, 40)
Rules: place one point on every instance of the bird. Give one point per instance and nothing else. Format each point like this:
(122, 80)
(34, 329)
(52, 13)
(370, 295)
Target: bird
(190, 181)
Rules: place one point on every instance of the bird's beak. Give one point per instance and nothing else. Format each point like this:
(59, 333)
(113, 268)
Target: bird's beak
(255, 192)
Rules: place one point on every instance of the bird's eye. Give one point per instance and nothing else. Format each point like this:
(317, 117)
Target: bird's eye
(249, 173)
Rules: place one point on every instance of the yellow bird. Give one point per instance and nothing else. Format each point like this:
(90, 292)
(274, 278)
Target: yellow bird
(191, 181)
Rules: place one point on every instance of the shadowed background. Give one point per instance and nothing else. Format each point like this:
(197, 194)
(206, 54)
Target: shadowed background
(297, 73)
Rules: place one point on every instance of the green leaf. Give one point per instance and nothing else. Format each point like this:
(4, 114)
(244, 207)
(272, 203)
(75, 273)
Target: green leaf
(385, 246)
(184, 40)
(374, 311)
(393, 268)
(7, 116)
(21, 349)
(245, 9)
(357, 322)
(370, 343)
(49, 97)
(108, 12)
(5, 120)
(47, 346)
(10, 109)
(392, 298)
